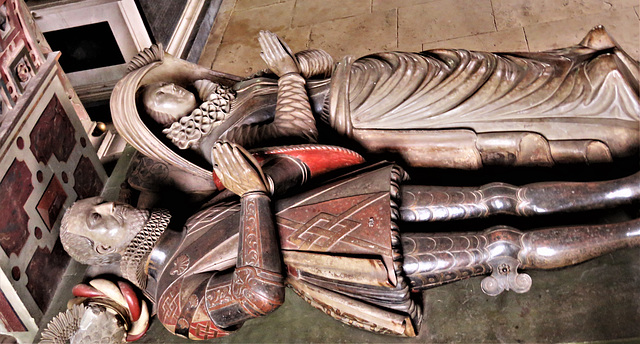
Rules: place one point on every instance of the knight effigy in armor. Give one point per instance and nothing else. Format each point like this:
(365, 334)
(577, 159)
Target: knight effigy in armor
(338, 244)
(323, 221)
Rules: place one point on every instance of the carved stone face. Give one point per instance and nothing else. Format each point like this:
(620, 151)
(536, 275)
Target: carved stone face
(109, 225)
(167, 102)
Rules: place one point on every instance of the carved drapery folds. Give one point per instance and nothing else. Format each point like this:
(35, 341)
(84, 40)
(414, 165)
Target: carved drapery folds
(573, 105)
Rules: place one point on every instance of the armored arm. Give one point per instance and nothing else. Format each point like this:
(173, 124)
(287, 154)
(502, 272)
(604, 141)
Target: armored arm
(256, 287)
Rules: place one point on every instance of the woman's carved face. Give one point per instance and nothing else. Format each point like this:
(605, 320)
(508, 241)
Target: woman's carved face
(168, 99)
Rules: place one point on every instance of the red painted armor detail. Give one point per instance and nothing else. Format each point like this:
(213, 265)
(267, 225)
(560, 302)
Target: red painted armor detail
(169, 305)
(251, 287)
(252, 254)
(201, 326)
(218, 297)
(131, 298)
(205, 330)
(319, 158)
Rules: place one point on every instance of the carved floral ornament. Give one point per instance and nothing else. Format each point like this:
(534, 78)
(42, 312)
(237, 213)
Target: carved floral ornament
(180, 265)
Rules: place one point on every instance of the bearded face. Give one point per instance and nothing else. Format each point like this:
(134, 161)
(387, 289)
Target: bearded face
(108, 227)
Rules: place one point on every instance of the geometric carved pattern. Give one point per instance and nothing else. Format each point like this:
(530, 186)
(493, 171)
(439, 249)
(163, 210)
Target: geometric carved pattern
(15, 189)
(351, 225)
(218, 297)
(169, 306)
(45, 272)
(205, 330)
(35, 189)
(51, 202)
(88, 182)
(322, 230)
(53, 134)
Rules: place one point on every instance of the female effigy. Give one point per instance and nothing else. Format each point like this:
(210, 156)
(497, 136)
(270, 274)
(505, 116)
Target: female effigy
(439, 108)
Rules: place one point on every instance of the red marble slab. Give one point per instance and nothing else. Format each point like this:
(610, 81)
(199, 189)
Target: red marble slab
(51, 202)
(45, 272)
(15, 189)
(88, 182)
(8, 316)
(53, 134)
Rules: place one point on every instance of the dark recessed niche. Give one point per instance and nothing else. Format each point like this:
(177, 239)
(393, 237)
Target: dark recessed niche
(85, 47)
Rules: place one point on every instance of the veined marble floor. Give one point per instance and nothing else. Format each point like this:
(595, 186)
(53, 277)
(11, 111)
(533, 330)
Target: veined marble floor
(359, 27)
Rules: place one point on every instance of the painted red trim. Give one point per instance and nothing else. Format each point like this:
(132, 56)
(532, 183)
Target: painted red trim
(319, 158)
(131, 298)
(131, 338)
(84, 290)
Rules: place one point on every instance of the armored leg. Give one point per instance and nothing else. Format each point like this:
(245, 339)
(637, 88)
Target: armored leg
(432, 259)
(433, 203)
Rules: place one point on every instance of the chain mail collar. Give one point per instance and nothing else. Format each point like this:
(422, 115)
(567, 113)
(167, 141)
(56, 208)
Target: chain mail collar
(135, 256)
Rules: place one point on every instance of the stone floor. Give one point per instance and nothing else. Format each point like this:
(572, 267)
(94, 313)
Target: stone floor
(359, 27)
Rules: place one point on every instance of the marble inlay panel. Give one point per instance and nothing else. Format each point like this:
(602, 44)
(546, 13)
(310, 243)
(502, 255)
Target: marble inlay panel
(53, 134)
(87, 180)
(45, 271)
(51, 202)
(15, 189)
(8, 316)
